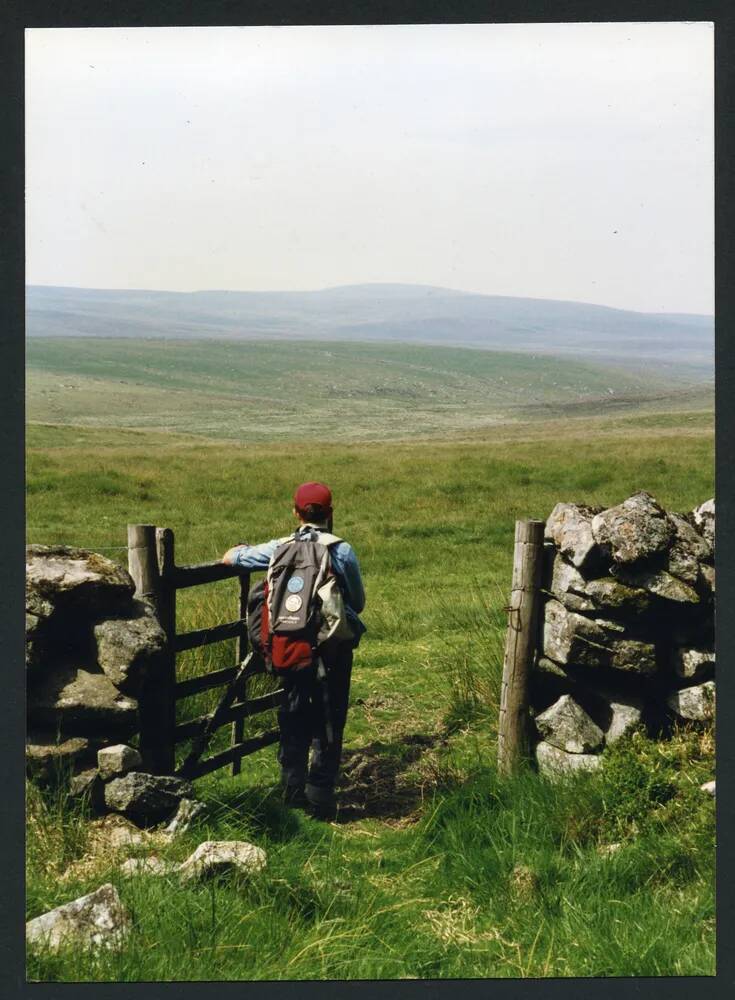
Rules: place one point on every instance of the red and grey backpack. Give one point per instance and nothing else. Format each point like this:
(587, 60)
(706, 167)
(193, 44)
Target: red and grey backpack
(302, 604)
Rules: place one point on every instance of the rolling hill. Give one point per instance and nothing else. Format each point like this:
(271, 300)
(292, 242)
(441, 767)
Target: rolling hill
(383, 312)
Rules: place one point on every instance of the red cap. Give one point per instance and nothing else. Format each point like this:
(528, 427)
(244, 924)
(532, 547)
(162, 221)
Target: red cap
(313, 493)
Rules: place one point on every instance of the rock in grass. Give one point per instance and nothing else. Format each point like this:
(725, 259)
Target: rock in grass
(708, 787)
(625, 714)
(93, 921)
(634, 530)
(692, 664)
(147, 866)
(187, 812)
(88, 784)
(553, 762)
(569, 527)
(49, 756)
(566, 725)
(146, 798)
(127, 646)
(696, 704)
(117, 760)
(217, 857)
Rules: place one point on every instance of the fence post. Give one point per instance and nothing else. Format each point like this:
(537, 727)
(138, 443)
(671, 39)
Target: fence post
(520, 644)
(241, 651)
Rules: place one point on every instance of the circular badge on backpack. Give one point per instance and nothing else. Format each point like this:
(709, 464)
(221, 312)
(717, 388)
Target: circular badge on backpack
(293, 602)
(295, 584)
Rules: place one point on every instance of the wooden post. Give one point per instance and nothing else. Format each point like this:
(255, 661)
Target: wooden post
(142, 560)
(520, 644)
(241, 651)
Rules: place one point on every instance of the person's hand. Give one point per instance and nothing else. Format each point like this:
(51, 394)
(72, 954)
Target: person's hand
(229, 557)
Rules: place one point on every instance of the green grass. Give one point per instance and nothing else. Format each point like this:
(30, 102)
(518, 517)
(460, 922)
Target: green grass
(262, 390)
(439, 868)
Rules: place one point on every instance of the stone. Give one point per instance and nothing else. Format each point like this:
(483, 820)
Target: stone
(607, 850)
(688, 550)
(692, 664)
(546, 666)
(127, 646)
(96, 920)
(554, 762)
(602, 594)
(706, 581)
(88, 784)
(115, 833)
(117, 760)
(660, 583)
(704, 521)
(147, 866)
(634, 530)
(524, 881)
(569, 527)
(146, 797)
(571, 638)
(708, 787)
(49, 756)
(625, 714)
(217, 857)
(75, 578)
(187, 812)
(695, 703)
(566, 725)
(75, 700)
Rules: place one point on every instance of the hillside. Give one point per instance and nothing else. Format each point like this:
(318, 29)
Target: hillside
(269, 390)
(381, 312)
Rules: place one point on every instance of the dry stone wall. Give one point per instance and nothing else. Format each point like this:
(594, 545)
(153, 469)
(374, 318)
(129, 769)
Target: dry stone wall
(627, 632)
(90, 646)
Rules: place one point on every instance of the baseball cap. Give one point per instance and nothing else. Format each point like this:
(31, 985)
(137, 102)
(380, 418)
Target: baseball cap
(316, 494)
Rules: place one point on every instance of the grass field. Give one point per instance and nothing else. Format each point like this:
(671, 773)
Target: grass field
(436, 867)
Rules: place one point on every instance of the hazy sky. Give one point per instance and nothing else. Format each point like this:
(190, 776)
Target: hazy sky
(566, 161)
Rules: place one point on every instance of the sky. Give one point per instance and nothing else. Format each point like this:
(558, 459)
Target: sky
(563, 161)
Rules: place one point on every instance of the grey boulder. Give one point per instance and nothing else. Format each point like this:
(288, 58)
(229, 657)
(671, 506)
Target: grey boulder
(147, 866)
(217, 857)
(660, 583)
(188, 810)
(634, 530)
(571, 638)
(566, 725)
(704, 520)
(147, 798)
(75, 578)
(555, 763)
(126, 647)
(626, 713)
(688, 550)
(48, 756)
(77, 700)
(93, 921)
(696, 704)
(117, 760)
(603, 594)
(692, 664)
(569, 527)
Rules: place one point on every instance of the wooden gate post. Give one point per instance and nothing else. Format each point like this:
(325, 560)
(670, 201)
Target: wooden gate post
(241, 651)
(520, 644)
(156, 700)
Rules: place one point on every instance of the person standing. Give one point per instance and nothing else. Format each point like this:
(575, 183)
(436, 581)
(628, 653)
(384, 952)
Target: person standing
(302, 717)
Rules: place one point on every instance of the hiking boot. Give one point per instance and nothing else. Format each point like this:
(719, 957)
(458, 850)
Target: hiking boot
(293, 795)
(321, 802)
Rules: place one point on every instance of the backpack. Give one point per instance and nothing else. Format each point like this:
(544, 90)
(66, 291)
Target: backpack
(299, 606)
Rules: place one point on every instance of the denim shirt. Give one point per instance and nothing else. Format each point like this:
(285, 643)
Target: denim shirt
(344, 566)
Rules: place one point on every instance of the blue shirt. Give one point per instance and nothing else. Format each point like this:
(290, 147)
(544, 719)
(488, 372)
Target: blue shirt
(344, 566)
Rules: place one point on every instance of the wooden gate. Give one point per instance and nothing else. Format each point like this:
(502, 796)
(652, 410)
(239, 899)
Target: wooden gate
(152, 565)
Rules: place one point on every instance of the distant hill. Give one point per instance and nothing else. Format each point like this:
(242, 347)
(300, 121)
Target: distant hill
(382, 312)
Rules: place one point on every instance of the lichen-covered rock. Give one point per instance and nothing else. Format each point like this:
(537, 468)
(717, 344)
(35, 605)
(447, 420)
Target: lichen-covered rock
(49, 756)
(604, 594)
(692, 664)
(188, 810)
(127, 646)
(660, 583)
(96, 920)
(68, 577)
(706, 581)
(147, 866)
(88, 785)
(217, 857)
(117, 760)
(147, 798)
(571, 638)
(569, 527)
(78, 701)
(566, 725)
(687, 551)
(704, 520)
(626, 712)
(634, 530)
(696, 703)
(555, 763)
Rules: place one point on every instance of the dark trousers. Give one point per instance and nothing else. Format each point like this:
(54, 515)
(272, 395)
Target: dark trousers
(303, 723)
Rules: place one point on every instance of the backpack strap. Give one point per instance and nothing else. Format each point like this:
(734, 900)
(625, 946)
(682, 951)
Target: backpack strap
(325, 538)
